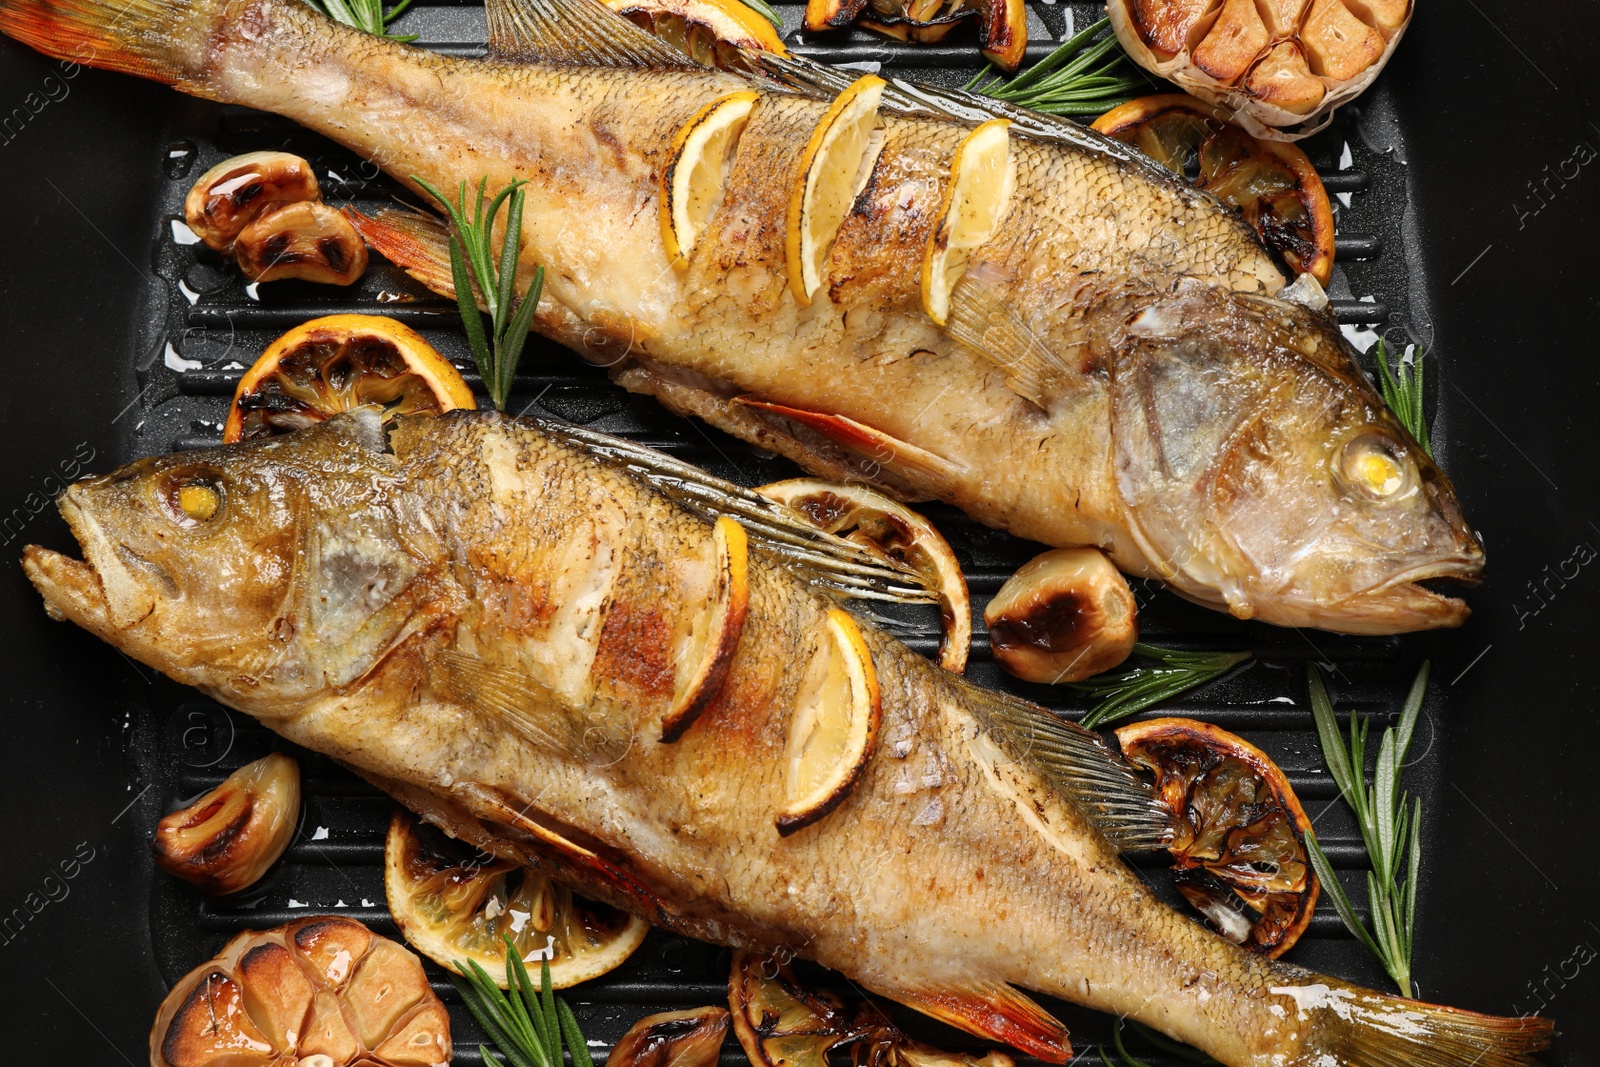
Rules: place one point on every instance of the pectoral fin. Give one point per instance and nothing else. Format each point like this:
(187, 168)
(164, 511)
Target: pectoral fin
(981, 319)
(991, 1010)
(927, 469)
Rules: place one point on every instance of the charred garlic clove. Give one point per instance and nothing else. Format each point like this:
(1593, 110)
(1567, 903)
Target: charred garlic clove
(690, 1038)
(226, 840)
(230, 195)
(310, 241)
(1064, 616)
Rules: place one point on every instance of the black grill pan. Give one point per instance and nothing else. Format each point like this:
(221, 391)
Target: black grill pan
(120, 341)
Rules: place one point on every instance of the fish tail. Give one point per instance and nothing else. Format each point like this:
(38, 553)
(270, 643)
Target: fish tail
(1360, 1028)
(141, 37)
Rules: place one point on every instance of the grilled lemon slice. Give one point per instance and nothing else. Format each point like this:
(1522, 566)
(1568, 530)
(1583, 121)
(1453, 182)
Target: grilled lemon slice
(897, 533)
(835, 167)
(1272, 183)
(702, 156)
(706, 648)
(1239, 853)
(835, 725)
(982, 177)
(332, 364)
(454, 905)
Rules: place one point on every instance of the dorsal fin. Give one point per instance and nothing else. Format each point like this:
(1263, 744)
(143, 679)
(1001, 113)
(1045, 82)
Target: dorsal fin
(576, 32)
(1079, 766)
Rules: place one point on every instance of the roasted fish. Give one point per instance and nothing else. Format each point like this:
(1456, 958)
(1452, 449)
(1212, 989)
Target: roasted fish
(513, 632)
(1113, 368)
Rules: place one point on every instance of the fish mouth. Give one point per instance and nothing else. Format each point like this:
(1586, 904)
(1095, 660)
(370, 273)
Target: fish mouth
(1406, 602)
(97, 592)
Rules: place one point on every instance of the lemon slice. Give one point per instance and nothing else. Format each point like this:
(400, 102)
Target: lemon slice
(702, 156)
(332, 364)
(836, 164)
(453, 906)
(835, 725)
(706, 648)
(897, 533)
(982, 176)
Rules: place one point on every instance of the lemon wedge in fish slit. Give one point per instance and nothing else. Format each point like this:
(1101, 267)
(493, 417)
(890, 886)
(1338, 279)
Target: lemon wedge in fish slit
(835, 167)
(702, 156)
(835, 725)
(982, 177)
(704, 651)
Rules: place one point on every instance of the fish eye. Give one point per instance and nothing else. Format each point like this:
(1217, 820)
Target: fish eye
(1375, 467)
(195, 498)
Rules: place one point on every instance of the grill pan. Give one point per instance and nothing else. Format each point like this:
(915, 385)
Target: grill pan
(120, 341)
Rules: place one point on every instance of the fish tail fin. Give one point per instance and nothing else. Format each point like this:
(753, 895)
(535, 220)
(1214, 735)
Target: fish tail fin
(1360, 1028)
(417, 243)
(142, 37)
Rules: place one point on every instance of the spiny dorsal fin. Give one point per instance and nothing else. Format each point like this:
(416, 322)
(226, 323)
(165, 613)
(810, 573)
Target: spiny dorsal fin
(984, 322)
(1079, 766)
(576, 32)
(838, 565)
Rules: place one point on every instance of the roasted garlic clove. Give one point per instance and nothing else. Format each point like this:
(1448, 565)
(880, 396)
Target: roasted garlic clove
(229, 195)
(690, 1038)
(1064, 616)
(1279, 67)
(310, 241)
(226, 840)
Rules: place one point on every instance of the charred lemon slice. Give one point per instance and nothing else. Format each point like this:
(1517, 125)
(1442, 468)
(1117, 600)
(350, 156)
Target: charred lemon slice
(896, 533)
(835, 725)
(711, 31)
(455, 905)
(1239, 832)
(702, 156)
(781, 1022)
(706, 647)
(1272, 183)
(981, 180)
(834, 167)
(333, 364)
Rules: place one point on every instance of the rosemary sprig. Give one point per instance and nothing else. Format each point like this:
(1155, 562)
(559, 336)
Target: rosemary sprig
(472, 265)
(1075, 79)
(366, 15)
(764, 9)
(1161, 1041)
(1391, 829)
(1130, 692)
(1402, 391)
(529, 1025)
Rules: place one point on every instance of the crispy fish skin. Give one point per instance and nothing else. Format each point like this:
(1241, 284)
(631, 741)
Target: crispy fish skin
(480, 617)
(1207, 456)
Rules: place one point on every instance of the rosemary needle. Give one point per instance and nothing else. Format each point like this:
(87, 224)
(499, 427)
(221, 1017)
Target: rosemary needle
(366, 15)
(1391, 829)
(1131, 691)
(529, 1025)
(1075, 79)
(1402, 391)
(475, 274)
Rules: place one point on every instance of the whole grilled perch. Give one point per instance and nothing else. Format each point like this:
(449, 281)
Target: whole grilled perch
(487, 617)
(1115, 369)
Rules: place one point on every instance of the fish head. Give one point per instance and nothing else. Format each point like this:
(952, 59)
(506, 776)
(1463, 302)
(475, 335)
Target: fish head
(1264, 473)
(253, 571)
